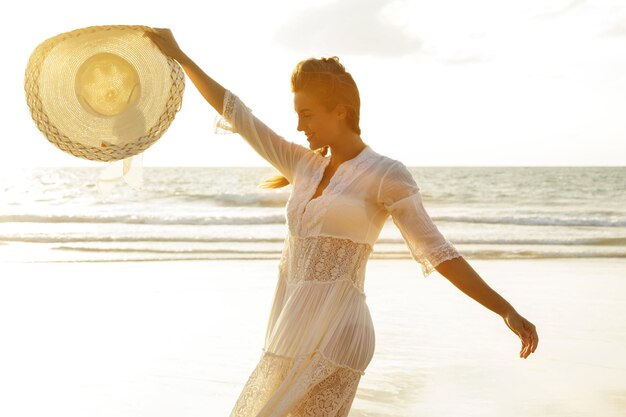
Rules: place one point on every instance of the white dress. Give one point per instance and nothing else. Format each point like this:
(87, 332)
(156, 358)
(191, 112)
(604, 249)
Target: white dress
(320, 336)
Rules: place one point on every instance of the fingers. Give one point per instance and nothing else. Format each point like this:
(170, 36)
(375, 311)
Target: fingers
(155, 37)
(150, 33)
(156, 32)
(164, 32)
(524, 351)
(530, 339)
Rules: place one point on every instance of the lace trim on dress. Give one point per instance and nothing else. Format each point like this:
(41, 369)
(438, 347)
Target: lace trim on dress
(328, 259)
(223, 123)
(264, 380)
(331, 397)
(326, 389)
(430, 260)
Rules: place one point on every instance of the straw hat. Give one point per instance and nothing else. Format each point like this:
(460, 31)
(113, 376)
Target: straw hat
(103, 93)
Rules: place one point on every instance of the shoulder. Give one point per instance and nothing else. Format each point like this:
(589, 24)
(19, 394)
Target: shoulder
(383, 164)
(397, 182)
(394, 170)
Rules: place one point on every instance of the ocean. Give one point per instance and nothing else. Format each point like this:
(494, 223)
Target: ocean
(57, 214)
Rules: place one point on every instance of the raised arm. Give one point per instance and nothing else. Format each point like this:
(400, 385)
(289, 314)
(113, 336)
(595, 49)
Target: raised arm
(210, 89)
(236, 117)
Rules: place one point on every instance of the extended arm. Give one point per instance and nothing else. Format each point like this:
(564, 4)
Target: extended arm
(401, 197)
(465, 278)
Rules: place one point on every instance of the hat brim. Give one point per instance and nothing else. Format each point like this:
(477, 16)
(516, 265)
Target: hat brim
(87, 128)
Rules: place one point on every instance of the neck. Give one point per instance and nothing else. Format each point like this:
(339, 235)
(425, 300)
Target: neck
(346, 148)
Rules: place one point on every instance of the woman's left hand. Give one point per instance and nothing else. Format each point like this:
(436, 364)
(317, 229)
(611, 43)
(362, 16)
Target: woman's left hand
(525, 330)
(164, 40)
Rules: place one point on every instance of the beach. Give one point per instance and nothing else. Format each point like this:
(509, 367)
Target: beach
(155, 302)
(180, 338)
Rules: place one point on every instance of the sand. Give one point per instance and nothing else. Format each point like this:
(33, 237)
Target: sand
(180, 339)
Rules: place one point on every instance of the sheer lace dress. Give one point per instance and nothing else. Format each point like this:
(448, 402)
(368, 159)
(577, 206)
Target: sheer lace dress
(320, 337)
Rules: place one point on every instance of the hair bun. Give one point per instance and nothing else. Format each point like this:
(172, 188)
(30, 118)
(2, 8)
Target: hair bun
(334, 62)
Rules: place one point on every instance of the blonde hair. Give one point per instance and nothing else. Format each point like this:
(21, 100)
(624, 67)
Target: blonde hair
(327, 81)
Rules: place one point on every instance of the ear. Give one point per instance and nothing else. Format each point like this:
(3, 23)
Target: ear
(341, 111)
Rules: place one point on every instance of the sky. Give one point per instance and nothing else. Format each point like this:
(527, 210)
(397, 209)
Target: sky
(442, 82)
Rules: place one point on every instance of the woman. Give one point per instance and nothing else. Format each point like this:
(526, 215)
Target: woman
(320, 337)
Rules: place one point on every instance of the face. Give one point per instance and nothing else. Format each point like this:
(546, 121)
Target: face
(322, 127)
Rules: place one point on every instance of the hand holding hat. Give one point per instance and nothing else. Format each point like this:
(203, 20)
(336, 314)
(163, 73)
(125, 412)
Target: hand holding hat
(164, 39)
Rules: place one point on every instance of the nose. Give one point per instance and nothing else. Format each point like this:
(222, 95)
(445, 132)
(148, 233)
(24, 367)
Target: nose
(300, 125)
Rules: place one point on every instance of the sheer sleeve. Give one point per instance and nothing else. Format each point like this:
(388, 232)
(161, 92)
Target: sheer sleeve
(400, 195)
(280, 153)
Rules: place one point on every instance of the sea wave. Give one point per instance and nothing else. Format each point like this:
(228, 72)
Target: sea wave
(232, 199)
(135, 256)
(539, 220)
(144, 219)
(135, 238)
(189, 239)
(241, 219)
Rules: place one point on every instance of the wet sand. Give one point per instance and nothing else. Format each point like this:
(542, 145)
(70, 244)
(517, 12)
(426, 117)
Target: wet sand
(180, 338)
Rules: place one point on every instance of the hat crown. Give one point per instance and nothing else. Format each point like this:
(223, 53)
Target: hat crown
(107, 84)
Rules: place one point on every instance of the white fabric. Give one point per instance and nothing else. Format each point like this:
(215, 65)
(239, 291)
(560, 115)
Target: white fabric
(129, 170)
(319, 323)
